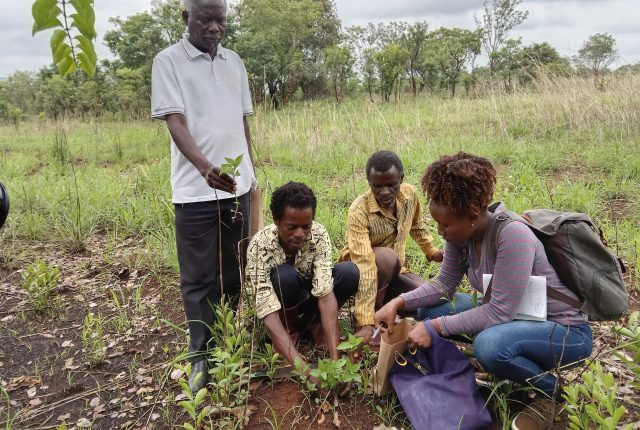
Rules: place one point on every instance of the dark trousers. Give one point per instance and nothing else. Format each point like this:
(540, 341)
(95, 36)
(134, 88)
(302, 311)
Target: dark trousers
(292, 289)
(212, 248)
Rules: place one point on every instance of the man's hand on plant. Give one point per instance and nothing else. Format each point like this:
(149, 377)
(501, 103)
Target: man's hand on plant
(219, 181)
(366, 333)
(419, 336)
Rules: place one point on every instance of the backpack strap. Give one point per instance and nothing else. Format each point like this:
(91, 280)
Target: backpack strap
(499, 222)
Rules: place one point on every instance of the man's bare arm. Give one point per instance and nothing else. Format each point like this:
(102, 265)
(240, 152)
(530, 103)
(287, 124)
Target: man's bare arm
(328, 306)
(247, 135)
(280, 338)
(177, 125)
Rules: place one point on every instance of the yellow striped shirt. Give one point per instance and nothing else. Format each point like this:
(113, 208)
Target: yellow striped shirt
(371, 226)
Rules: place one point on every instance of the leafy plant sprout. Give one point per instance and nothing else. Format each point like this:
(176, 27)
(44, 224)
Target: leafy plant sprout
(231, 168)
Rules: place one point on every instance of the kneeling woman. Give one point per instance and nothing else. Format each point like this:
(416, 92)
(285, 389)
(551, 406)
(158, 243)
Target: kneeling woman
(460, 189)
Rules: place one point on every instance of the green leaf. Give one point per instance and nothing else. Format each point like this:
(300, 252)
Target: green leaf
(86, 46)
(188, 407)
(84, 18)
(86, 64)
(238, 160)
(84, 25)
(200, 396)
(66, 66)
(56, 41)
(188, 426)
(226, 169)
(45, 15)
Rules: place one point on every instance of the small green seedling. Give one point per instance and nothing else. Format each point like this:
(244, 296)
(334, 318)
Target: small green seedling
(40, 281)
(231, 168)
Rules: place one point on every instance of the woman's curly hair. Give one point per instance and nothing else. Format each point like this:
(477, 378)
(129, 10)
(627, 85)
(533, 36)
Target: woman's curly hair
(464, 183)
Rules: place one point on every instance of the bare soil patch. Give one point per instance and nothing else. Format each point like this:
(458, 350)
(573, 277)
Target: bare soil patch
(49, 381)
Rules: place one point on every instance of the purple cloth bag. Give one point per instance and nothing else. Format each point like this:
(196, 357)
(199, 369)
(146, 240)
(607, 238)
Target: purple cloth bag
(444, 399)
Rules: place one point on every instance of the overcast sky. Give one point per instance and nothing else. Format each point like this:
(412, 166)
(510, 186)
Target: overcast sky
(563, 23)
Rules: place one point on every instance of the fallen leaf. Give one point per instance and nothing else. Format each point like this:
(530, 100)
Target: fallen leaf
(98, 411)
(177, 374)
(67, 343)
(94, 402)
(64, 417)
(35, 402)
(144, 390)
(31, 392)
(83, 423)
(336, 420)
(154, 416)
(321, 419)
(68, 364)
(22, 381)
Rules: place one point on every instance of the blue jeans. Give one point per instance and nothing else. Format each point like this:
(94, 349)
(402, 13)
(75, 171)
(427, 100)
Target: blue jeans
(459, 303)
(522, 351)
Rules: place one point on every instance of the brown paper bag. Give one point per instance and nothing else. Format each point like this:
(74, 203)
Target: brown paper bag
(398, 341)
(257, 215)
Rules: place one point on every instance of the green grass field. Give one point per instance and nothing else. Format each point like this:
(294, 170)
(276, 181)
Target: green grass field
(564, 146)
(96, 187)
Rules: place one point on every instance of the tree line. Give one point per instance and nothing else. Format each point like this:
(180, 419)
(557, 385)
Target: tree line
(298, 49)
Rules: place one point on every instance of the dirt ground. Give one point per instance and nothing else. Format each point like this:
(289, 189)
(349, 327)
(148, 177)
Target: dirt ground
(49, 382)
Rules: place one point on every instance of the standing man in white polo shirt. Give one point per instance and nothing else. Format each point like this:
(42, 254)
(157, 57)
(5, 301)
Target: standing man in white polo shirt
(201, 90)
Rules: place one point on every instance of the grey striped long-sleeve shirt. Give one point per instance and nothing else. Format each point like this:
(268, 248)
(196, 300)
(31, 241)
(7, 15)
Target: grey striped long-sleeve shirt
(519, 255)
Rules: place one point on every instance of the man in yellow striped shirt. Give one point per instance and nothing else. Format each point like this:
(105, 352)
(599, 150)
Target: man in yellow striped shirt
(379, 224)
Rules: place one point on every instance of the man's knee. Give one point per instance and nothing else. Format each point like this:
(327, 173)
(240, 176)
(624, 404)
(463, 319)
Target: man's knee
(346, 273)
(388, 263)
(346, 277)
(286, 284)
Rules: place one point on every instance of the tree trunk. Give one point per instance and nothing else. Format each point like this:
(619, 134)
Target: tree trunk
(413, 85)
(453, 89)
(273, 95)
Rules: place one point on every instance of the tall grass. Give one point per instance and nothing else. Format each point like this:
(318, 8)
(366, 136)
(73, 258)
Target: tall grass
(561, 144)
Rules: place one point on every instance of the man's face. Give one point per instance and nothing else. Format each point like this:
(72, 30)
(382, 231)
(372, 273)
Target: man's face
(454, 228)
(385, 186)
(294, 228)
(206, 24)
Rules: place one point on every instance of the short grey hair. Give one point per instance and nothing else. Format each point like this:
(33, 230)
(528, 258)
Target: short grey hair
(190, 4)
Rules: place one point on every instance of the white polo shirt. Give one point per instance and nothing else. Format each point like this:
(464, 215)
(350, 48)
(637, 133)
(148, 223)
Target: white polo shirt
(213, 95)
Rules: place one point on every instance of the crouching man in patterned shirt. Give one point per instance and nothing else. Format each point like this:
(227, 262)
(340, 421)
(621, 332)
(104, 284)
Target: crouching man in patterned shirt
(290, 276)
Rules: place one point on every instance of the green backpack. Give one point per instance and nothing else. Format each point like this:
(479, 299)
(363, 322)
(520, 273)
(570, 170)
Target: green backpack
(577, 250)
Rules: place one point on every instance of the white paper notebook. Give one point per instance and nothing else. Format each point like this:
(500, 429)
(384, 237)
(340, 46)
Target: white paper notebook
(534, 301)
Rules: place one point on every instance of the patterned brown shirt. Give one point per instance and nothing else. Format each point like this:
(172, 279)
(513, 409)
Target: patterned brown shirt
(265, 253)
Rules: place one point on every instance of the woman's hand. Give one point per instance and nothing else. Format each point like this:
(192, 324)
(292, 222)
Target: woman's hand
(419, 336)
(386, 315)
